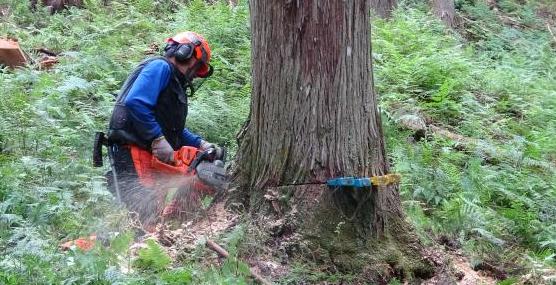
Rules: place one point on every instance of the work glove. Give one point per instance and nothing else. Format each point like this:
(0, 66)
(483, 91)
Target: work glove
(219, 151)
(162, 150)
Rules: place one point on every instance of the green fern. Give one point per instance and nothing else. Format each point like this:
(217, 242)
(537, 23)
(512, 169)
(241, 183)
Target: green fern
(152, 258)
(179, 276)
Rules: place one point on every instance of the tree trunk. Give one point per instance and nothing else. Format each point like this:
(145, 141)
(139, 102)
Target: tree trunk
(446, 11)
(384, 8)
(56, 5)
(314, 117)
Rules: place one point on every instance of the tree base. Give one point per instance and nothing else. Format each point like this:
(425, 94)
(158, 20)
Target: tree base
(313, 224)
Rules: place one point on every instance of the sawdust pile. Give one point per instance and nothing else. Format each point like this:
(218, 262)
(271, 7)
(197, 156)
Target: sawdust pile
(212, 223)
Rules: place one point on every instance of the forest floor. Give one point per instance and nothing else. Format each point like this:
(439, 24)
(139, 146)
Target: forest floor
(217, 221)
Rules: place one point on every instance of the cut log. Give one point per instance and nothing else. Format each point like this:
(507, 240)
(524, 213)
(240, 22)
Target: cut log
(11, 54)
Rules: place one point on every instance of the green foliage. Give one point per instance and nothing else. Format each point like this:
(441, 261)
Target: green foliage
(49, 193)
(121, 243)
(233, 270)
(176, 277)
(220, 107)
(416, 60)
(394, 281)
(153, 257)
(303, 272)
(492, 81)
(508, 281)
(495, 193)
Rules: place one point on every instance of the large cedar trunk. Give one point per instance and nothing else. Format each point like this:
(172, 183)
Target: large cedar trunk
(446, 11)
(383, 8)
(314, 117)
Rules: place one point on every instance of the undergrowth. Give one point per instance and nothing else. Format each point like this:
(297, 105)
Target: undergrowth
(49, 192)
(492, 193)
(490, 81)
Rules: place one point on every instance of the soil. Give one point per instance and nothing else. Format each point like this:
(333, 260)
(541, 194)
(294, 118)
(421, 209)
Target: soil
(216, 221)
(213, 222)
(470, 277)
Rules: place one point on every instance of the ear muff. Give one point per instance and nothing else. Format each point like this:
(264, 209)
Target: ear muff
(183, 52)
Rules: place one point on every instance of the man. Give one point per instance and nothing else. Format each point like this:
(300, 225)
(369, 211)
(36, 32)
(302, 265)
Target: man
(150, 113)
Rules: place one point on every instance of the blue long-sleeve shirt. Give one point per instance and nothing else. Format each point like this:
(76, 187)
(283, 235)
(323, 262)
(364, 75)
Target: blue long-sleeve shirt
(142, 98)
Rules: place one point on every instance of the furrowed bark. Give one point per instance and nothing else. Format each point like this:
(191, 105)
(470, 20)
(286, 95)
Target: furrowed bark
(314, 117)
(446, 11)
(384, 8)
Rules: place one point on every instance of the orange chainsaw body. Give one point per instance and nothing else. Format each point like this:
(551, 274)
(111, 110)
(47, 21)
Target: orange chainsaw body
(150, 169)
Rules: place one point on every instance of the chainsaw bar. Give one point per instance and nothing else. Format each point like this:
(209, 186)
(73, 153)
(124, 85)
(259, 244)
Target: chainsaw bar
(213, 174)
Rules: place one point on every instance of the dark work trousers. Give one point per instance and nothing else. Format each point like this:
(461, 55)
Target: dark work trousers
(136, 197)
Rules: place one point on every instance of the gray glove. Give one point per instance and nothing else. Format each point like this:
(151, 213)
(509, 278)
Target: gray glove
(162, 150)
(206, 145)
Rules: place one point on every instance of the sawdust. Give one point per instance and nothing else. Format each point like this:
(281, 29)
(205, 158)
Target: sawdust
(216, 220)
(212, 223)
(452, 265)
(471, 276)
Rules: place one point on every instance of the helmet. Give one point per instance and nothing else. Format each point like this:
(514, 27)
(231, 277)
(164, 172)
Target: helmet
(190, 44)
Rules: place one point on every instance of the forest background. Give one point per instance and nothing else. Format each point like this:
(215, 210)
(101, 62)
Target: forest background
(469, 115)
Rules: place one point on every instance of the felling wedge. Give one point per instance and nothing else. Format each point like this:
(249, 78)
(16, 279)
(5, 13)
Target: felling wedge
(364, 182)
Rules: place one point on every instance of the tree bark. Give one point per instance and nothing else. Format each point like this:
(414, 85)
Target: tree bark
(313, 111)
(384, 8)
(446, 11)
(314, 117)
(56, 5)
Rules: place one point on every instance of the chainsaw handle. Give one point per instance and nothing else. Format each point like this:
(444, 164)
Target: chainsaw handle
(186, 160)
(168, 168)
(182, 159)
(200, 156)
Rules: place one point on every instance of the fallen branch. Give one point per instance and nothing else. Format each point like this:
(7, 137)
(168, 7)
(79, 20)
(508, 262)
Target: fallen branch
(46, 51)
(453, 136)
(223, 253)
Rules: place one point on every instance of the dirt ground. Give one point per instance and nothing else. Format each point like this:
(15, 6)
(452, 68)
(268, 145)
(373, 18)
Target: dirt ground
(216, 221)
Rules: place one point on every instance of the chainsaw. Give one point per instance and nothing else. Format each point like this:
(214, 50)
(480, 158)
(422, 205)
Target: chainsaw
(189, 161)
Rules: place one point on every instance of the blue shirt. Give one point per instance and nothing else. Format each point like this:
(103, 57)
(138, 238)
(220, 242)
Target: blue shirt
(142, 98)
